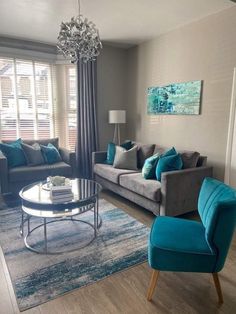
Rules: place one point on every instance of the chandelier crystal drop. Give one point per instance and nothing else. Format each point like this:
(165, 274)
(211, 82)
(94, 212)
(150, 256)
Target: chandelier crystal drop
(79, 39)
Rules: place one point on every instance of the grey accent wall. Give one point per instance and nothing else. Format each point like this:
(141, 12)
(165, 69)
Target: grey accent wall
(112, 81)
(204, 50)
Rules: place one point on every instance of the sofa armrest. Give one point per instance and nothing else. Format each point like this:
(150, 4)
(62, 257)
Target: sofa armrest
(99, 157)
(3, 173)
(69, 158)
(180, 190)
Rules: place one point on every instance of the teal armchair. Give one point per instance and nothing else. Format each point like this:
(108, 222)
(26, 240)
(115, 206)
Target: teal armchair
(182, 245)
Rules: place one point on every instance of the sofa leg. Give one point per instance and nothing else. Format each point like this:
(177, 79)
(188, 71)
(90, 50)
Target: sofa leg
(152, 284)
(218, 287)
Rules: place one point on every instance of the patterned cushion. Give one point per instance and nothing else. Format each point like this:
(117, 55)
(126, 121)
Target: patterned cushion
(149, 167)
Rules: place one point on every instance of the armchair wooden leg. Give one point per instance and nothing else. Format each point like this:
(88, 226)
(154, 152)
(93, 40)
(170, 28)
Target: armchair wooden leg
(152, 284)
(218, 287)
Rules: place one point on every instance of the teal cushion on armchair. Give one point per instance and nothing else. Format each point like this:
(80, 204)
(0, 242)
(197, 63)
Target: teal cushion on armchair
(179, 245)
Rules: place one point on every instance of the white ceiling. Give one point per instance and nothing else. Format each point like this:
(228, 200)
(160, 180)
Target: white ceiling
(122, 22)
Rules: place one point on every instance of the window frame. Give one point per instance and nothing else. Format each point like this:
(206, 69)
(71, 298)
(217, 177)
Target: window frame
(35, 114)
(67, 105)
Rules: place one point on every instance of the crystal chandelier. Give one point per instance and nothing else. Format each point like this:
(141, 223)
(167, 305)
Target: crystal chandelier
(79, 39)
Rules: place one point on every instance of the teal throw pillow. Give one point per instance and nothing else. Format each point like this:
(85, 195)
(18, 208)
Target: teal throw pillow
(127, 145)
(14, 153)
(111, 151)
(168, 163)
(50, 154)
(149, 167)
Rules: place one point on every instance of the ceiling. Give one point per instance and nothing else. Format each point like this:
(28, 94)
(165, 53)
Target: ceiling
(120, 22)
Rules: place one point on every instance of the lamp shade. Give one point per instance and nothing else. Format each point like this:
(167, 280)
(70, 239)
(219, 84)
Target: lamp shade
(117, 116)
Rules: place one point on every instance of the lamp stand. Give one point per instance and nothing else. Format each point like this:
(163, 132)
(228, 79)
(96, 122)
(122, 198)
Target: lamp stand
(116, 137)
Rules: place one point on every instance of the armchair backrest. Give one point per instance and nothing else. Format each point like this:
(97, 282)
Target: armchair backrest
(217, 209)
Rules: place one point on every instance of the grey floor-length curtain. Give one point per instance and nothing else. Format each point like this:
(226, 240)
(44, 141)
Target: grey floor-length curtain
(87, 135)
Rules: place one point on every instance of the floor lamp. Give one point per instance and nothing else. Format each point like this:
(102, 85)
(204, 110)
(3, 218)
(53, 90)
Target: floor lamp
(117, 117)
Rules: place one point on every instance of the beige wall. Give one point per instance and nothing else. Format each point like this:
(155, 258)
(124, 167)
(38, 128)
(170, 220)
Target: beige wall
(204, 50)
(112, 81)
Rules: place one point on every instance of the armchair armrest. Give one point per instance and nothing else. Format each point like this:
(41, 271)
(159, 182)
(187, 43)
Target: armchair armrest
(3, 173)
(69, 158)
(180, 190)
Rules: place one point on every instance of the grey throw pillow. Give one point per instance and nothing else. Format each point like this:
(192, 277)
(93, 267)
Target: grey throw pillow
(33, 154)
(126, 159)
(189, 159)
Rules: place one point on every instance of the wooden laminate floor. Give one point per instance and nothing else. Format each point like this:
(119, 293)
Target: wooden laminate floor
(125, 292)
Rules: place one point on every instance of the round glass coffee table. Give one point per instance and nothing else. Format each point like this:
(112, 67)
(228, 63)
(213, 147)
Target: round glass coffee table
(36, 202)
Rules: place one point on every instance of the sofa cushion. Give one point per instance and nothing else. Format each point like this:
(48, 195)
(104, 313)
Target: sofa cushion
(60, 169)
(110, 173)
(189, 159)
(158, 150)
(40, 172)
(144, 151)
(150, 189)
(178, 244)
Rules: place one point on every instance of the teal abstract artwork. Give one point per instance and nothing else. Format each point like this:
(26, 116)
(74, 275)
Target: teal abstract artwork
(175, 99)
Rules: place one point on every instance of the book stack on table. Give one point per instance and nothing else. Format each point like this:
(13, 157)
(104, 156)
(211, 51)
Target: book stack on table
(61, 194)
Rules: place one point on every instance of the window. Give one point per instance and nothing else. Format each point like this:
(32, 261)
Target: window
(71, 107)
(26, 108)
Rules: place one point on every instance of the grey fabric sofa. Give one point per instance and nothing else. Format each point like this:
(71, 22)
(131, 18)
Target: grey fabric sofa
(176, 194)
(14, 179)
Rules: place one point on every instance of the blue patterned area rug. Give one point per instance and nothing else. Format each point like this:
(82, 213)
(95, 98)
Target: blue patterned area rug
(121, 243)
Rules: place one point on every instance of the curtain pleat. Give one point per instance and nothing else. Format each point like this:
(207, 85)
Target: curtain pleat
(87, 136)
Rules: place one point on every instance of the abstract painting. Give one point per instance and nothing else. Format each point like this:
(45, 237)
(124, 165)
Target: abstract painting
(175, 99)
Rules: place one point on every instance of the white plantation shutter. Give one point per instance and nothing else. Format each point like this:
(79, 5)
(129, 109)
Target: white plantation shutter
(26, 108)
(71, 107)
(8, 112)
(44, 105)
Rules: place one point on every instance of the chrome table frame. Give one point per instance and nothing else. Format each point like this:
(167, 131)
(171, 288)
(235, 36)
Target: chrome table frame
(59, 212)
